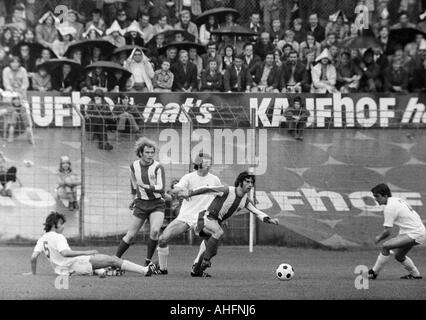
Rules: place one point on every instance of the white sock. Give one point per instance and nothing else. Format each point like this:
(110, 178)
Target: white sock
(410, 267)
(99, 272)
(200, 252)
(163, 253)
(381, 261)
(133, 267)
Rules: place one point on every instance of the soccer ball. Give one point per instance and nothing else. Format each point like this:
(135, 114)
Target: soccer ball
(285, 272)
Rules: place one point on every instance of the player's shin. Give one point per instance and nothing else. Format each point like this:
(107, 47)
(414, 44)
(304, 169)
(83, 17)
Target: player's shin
(133, 267)
(122, 248)
(410, 266)
(202, 249)
(380, 262)
(163, 253)
(211, 248)
(152, 245)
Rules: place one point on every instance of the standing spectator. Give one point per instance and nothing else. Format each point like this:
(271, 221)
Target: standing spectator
(277, 32)
(115, 35)
(271, 10)
(7, 177)
(263, 45)
(323, 74)
(185, 74)
(296, 117)
(212, 54)
(293, 76)
(237, 77)
(99, 119)
(186, 24)
(41, 80)
(348, 75)
(163, 78)
(314, 27)
(18, 113)
(46, 31)
(396, 78)
(205, 29)
(211, 78)
(371, 80)
(134, 35)
(162, 25)
(15, 77)
(68, 181)
(146, 28)
(265, 75)
(124, 113)
(197, 60)
(338, 25)
(97, 21)
(228, 57)
(309, 44)
(255, 26)
(249, 58)
(142, 71)
(66, 79)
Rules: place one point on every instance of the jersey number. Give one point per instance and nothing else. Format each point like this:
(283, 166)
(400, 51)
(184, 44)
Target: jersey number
(46, 249)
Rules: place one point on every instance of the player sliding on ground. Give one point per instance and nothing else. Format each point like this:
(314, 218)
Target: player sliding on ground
(411, 232)
(228, 200)
(69, 262)
(188, 213)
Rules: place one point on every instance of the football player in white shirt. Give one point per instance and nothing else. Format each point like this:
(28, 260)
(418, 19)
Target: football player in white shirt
(188, 213)
(411, 232)
(69, 262)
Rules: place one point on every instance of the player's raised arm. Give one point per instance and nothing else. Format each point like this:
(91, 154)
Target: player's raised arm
(260, 214)
(207, 190)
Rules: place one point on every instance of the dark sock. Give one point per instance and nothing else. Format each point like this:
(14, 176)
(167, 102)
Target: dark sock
(122, 248)
(152, 245)
(211, 248)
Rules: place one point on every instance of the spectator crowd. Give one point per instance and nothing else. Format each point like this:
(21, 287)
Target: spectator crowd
(162, 46)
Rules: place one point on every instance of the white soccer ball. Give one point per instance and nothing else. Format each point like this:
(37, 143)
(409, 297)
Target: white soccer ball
(284, 272)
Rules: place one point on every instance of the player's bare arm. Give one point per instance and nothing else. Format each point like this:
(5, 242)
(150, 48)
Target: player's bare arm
(72, 253)
(260, 214)
(383, 235)
(205, 190)
(33, 260)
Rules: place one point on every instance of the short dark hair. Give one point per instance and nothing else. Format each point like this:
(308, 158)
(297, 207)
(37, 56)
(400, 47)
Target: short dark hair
(96, 11)
(242, 176)
(52, 220)
(382, 189)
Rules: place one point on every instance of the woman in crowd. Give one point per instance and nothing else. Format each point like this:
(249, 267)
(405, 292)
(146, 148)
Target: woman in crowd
(228, 57)
(68, 181)
(206, 29)
(46, 32)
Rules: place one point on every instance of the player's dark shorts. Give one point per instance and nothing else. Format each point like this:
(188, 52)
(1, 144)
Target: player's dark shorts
(143, 208)
(10, 175)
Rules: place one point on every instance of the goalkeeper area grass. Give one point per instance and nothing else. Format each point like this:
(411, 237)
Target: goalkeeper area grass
(236, 274)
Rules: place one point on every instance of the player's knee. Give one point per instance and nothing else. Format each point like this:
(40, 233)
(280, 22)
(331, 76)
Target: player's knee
(386, 249)
(154, 234)
(114, 261)
(162, 241)
(219, 233)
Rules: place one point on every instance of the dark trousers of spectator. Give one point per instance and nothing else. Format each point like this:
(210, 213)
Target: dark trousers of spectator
(296, 128)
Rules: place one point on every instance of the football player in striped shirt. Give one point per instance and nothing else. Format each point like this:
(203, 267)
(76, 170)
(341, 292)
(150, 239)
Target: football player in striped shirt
(228, 201)
(147, 186)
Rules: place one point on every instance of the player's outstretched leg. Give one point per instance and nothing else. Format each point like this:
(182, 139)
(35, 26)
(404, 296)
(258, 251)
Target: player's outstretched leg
(99, 261)
(135, 226)
(408, 264)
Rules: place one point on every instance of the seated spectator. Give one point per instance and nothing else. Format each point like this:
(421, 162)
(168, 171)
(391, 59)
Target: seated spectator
(147, 28)
(250, 59)
(97, 21)
(212, 53)
(418, 82)
(211, 78)
(65, 39)
(66, 79)
(117, 82)
(7, 40)
(179, 37)
(163, 78)
(17, 19)
(77, 55)
(68, 181)
(400, 54)
(254, 25)
(93, 33)
(292, 76)
(411, 48)
(142, 71)
(115, 35)
(403, 22)
(228, 57)
(155, 44)
(371, 80)
(296, 117)
(286, 52)
(7, 177)
(334, 51)
(323, 74)
(17, 113)
(4, 62)
(122, 20)
(265, 75)
(15, 77)
(186, 24)
(27, 61)
(383, 22)
(338, 25)
(277, 33)
(348, 74)
(96, 80)
(41, 80)
(95, 56)
(383, 38)
(309, 44)
(237, 77)
(171, 55)
(263, 45)
(396, 78)
(277, 57)
(134, 35)
(162, 25)
(124, 113)
(72, 19)
(353, 32)
(185, 74)
(327, 43)
(315, 28)
(205, 29)
(299, 31)
(45, 55)
(99, 119)
(288, 39)
(229, 21)
(197, 60)
(29, 36)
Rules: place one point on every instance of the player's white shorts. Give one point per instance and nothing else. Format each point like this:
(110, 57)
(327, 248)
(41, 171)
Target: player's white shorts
(419, 237)
(80, 266)
(189, 219)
